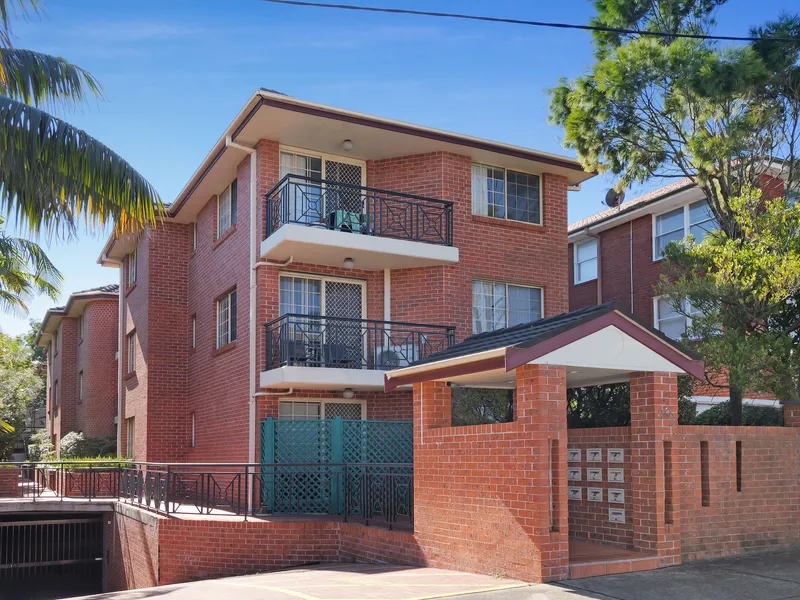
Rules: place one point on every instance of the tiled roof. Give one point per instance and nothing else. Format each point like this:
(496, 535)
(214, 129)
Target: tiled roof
(112, 288)
(658, 194)
(526, 335)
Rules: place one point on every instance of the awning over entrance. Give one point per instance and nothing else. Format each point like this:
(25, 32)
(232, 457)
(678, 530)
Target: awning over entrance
(598, 345)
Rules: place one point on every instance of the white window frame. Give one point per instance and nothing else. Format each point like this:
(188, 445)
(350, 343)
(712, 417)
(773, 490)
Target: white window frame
(508, 304)
(228, 213)
(505, 193)
(81, 327)
(194, 429)
(194, 236)
(657, 319)
(229, 339)
(576, 264)
(324, 157)
(323, 279)
(80, 386)
(132, 267)
(56, 341)
(686, 224)
(323, 401)
(131, 347)
(194, 331)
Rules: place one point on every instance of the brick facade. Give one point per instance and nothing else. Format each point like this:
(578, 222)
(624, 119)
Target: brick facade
(92, 354)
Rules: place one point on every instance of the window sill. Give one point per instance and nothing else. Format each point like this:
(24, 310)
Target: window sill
(224, 349)
(584, 282)
(230, 231)
(508, 223)
(130, 288)
(130, 375)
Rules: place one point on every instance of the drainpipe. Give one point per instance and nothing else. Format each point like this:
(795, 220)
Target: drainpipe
(630, 246)
(120, 343)
(251, 445)
(594, 236)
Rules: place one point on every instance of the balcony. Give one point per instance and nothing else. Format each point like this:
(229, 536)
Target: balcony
(324, 222)
(315, 352)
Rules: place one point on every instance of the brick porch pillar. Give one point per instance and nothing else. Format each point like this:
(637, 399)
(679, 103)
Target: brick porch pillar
(791, 413)
(541, 406)
(654, 475)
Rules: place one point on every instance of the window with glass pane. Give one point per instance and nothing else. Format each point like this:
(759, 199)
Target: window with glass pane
(224, 211)
(497, 305)
(299, 410)
(669, 228)
(488, 191)
(523, 197)
(524, 305)
(669, 321)
(701, 220)
(586, 261)
(226, 319)
(305, 199)
(299, 295)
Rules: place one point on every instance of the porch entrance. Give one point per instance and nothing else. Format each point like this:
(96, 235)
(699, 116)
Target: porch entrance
(348, 467)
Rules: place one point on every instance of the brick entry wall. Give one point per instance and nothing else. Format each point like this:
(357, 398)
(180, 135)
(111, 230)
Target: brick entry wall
(590, 519)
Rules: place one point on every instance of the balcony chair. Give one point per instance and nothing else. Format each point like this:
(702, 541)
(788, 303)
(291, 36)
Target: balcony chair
(337, 356)
(296, 353)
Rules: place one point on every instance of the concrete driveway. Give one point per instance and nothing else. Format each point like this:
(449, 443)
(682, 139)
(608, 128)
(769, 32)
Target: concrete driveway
(765, 577)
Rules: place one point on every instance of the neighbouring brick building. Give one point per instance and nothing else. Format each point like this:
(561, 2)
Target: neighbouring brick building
(616, 255)
(314, 249)
(80, 340)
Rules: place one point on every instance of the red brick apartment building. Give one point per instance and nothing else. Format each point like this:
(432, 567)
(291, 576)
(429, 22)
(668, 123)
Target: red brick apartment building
(80, 340)
(314, 249)
(616, 255)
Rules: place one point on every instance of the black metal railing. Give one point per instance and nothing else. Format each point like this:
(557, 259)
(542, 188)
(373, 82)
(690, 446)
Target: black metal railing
(358, 209)
(313, 341)
(372, 493)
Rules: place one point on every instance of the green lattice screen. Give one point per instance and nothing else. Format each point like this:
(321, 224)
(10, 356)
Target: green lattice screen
(317, 487)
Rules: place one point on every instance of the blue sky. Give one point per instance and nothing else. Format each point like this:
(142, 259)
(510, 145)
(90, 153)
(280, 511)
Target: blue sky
(176, 73)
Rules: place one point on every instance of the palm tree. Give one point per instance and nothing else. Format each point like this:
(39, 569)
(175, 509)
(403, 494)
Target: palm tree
(53, 176)
(24, 270)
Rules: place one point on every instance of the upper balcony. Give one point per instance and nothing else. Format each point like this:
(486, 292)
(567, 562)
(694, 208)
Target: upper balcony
(310, 351)
(326, 222)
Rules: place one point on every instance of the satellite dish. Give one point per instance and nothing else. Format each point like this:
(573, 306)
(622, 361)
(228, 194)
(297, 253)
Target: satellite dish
(614, 198)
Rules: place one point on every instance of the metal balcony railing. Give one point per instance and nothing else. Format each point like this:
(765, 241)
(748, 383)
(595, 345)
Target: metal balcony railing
(314, 341)
(356, 209)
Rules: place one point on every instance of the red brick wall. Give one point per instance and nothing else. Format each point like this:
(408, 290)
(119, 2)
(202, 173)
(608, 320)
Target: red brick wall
(9, 483)
(132, 542)
(376, 545)
(765, 514)
(476, 507)
(589, 520)
(96, 358)
(63, 417)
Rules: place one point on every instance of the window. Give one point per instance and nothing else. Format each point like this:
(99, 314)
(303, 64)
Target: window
(131, 437)
(226, 208)
(696, 219)
(132, 352)
(299, 164)
(81, 327)
(194, 237)
(498, 305)
(506, 194)
(194, 430)
(80, 386)
(299, 295)
(55, 395)
(226, 319)
(585, 261)
(132, 265)
(56, 342)
(194, 331)
(669, 321)
(324, 409)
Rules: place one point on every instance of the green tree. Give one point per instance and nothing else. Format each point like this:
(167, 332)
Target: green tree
(20, 384)
(53, 176)
(669, 107)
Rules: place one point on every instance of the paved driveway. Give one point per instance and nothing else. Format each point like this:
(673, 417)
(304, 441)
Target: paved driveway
(766, 577)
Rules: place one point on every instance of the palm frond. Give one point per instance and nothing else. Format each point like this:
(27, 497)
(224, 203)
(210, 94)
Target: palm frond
(14, 7)
(25, 270)
(55, 176)
(6, 427)
(40, 79)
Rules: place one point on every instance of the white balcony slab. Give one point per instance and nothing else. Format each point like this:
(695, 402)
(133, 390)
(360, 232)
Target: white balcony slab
(317, 245)
(322, 378)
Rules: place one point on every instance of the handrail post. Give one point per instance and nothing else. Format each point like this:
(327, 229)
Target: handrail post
(166, 489)
(247, 501)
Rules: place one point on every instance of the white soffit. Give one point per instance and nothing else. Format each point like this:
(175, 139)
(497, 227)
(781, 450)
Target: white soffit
(609, 349)
(322, 378)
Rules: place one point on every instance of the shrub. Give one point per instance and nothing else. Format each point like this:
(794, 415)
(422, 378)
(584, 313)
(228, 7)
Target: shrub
(41, 447)
(76, 444)
(73, 444)
(720, 414)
